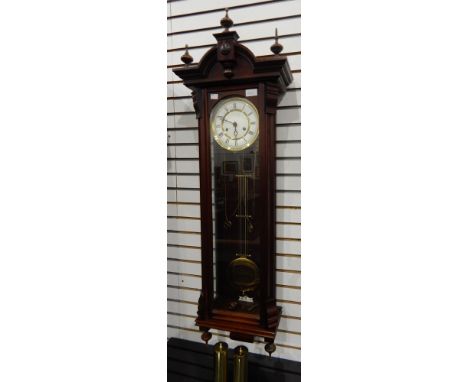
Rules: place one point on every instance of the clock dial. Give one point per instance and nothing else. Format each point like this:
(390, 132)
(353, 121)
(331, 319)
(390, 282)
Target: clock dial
(234, 123)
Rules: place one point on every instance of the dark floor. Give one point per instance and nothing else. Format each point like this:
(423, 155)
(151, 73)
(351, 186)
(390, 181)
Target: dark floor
(189, 361)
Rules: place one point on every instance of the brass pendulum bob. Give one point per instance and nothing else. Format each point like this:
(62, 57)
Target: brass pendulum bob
(220, 361)
(240, 364)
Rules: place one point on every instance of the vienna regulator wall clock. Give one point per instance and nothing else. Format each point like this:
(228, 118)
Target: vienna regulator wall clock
(235, 95)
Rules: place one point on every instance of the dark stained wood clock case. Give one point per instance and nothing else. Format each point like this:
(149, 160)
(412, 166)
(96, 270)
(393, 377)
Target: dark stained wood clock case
(237, 187)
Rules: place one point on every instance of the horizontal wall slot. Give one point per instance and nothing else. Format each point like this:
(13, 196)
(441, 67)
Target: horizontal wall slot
(216, 27)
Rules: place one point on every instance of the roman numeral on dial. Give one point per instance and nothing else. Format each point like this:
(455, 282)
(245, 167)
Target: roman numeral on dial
(234, 123)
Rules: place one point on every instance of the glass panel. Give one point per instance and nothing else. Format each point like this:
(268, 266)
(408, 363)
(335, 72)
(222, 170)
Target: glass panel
(235, 227)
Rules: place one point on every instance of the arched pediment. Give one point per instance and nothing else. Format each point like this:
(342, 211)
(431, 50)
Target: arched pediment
(230, 62)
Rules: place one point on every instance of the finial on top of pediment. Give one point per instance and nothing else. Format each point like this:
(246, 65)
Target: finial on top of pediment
(226, 21)
(186, 57)
(276, 48)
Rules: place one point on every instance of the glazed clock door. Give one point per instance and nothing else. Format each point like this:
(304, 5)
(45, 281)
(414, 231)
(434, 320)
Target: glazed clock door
(235, 131)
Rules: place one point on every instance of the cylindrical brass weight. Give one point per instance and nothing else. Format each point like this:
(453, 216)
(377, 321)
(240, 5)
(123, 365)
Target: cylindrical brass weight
(220, 361)
(240, 364)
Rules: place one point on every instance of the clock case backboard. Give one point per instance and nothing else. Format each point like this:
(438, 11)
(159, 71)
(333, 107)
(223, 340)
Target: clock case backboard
(229, 69)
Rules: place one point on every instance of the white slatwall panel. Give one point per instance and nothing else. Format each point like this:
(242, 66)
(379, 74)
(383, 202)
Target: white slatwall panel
(291, 44)
(283, 350)
(283, 116)
(193, 22)
(278, 9)
(283, 182)
(291, 98)
(183, 7)
(285, 26)
(283, 166)
(293, 58)
(179, 90)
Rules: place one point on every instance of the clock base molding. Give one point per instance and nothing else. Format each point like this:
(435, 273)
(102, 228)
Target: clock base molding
(242, 326)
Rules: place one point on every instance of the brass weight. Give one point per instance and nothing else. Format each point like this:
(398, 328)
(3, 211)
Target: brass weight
(240, 364)
(220, 361)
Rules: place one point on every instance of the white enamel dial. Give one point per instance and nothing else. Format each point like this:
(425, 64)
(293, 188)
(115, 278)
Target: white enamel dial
(234, 123)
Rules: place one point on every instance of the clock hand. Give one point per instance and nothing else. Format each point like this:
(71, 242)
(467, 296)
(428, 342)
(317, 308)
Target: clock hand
(232, 123)
(235, 127)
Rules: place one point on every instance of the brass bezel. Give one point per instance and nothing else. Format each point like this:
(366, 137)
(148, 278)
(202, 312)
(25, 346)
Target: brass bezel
(215, 109)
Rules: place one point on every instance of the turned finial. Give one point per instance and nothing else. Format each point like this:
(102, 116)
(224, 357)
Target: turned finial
(186, 57)
(270, 347)
(226, 21)
(206, 336)
(276, 48)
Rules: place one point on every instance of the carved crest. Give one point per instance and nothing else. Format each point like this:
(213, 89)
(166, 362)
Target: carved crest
(230, 62)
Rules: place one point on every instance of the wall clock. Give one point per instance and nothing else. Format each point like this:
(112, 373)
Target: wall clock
(235, 96)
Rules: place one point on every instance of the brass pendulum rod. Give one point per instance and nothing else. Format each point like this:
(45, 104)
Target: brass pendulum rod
(220, 362)
(240, 364)
(243, 192)
(245, 214)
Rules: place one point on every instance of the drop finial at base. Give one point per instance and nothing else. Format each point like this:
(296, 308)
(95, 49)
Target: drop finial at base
(270, 347)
